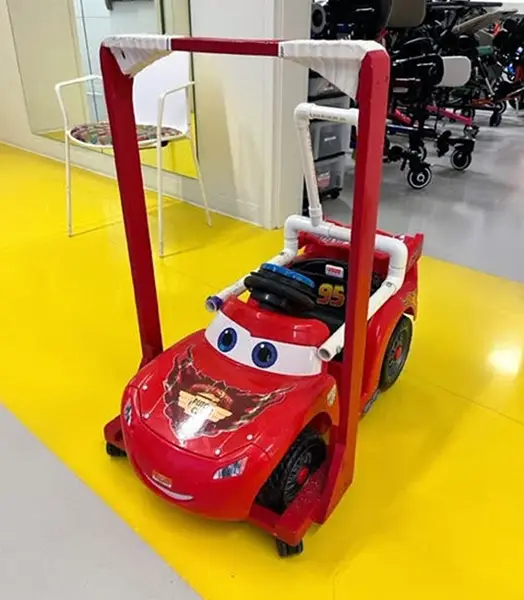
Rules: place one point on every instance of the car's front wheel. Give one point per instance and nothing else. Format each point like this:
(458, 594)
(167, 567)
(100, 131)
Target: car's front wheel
(304, 457)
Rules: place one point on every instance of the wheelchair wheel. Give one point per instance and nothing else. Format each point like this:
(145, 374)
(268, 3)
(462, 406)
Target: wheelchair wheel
(460, 160)
(501, 106)
(422, 152)
(420, 178)
(495, 120)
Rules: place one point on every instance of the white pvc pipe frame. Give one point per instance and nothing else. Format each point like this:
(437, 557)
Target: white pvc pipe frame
(395, 248)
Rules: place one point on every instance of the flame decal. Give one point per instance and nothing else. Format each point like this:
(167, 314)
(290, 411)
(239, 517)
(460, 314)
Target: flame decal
(197, 405)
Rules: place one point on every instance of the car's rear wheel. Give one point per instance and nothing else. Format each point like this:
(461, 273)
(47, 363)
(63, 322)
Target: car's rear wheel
(304, 457)
(396, 353)
(114, 451)
(284, 550)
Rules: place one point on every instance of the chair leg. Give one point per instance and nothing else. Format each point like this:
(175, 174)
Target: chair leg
(69, 206)
(160, 199)
(201, 182)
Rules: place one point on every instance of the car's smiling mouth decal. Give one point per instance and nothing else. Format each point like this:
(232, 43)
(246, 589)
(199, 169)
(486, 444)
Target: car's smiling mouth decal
(197, 405)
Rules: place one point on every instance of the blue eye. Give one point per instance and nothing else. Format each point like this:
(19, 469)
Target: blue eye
(264, 355)
(227, 340)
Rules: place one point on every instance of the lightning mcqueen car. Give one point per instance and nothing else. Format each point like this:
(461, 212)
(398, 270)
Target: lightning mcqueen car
(239, 414)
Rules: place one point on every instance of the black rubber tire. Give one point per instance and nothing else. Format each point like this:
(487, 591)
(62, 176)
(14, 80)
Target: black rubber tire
(308, 450)
(420, 178)
(285, 550)
(460, 160)
(501, 107)
(391, 366)
(422, 153)
(495, 120)
(114, 451)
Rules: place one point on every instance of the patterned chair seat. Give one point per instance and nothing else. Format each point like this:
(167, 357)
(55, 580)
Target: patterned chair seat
(99, 134)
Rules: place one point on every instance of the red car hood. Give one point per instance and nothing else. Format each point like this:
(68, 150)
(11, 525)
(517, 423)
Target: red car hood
(198, 399)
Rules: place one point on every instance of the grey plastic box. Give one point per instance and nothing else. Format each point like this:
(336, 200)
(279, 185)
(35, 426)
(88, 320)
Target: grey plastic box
(328, 139)
(330, 173)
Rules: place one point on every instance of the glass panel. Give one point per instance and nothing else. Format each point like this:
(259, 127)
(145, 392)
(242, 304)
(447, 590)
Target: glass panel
(98, 19)
(60, 41)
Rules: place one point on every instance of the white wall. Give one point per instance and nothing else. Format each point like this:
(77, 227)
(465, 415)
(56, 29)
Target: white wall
(244, 109)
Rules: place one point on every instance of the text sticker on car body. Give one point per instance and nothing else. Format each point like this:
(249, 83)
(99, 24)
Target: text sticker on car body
(335, 271)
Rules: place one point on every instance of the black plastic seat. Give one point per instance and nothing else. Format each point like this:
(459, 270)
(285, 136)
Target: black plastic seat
(330, 288)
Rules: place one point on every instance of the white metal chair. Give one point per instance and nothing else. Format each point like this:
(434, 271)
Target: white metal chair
(162, 113)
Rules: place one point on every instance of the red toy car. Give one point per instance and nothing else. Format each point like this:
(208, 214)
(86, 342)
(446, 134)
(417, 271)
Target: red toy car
(256, 417)
(238, 415)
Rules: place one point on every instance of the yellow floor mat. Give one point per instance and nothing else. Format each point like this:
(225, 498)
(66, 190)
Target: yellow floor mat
(436, 509)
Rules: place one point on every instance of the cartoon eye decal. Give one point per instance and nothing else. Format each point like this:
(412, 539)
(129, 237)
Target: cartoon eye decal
(227, 340)
(264, 355)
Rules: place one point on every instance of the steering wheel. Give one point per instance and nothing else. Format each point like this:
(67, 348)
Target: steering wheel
(281, 289)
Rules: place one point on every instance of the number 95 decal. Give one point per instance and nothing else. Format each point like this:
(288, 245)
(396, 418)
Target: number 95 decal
(331, 295)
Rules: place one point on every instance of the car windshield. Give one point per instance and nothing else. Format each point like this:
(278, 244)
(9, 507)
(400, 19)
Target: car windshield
(237, 343)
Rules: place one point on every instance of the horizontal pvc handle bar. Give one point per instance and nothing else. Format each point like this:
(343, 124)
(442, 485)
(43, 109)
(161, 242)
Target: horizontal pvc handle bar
(311, 111)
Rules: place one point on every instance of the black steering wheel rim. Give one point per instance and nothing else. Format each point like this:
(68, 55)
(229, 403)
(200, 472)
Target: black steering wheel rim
(281, 289)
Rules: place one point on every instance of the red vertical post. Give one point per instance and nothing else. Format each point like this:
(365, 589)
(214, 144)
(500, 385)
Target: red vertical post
(118, 89)
(372, 97)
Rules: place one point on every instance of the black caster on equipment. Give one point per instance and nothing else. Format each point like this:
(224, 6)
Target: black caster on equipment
(501, 107)
(284, 550)
(471, 131)
(114, 451)
(460, 160)
(495, 120)
(422, 152)
(418, 179)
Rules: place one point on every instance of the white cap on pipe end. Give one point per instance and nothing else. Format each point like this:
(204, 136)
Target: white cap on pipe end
(325, 355)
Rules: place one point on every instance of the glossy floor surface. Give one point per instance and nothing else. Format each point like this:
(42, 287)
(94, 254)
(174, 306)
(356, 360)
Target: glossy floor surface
(474, 218)
(436, 508)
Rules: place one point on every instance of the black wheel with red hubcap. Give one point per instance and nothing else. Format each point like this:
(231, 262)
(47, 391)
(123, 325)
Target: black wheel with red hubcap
(304, 457)
(396, 353)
